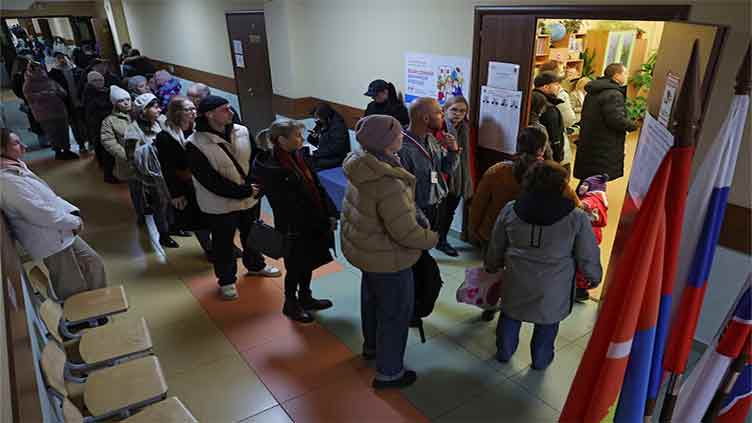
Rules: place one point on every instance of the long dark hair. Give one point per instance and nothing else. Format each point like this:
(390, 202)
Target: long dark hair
(529, 142)
(395, 97)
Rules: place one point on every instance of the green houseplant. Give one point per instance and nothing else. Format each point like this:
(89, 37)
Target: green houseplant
(587, 56)
(641, 82)
(572, 26)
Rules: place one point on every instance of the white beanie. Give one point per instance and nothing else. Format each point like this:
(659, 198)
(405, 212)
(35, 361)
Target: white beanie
(117, 94)
(143, 100)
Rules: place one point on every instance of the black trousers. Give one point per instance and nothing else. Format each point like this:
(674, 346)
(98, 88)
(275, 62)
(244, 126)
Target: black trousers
(223, 228)
(297, 280)
(104, 158)
(447, 209)
(432, 215)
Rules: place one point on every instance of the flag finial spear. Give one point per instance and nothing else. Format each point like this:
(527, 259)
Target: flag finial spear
(686, 116)
(744, 77)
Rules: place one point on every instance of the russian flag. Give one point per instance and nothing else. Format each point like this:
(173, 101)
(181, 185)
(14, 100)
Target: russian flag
(601, 372)
(708, 194)
(705, 380)
(736, 406)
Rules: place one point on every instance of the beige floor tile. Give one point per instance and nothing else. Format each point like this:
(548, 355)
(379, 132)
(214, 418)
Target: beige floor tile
(272, 415)
(224, 391)
(162, 302)
(190, 343)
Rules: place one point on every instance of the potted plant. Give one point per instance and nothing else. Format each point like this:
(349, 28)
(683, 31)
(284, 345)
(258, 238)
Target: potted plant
(587, 56)
(572, 26)
(636, 108)
(542, 28)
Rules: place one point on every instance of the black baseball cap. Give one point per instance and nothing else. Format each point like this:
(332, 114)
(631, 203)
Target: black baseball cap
(376, 87)
(545, 78)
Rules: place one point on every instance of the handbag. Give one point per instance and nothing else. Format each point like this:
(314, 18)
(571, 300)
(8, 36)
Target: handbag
(480, 288)
(268, 241)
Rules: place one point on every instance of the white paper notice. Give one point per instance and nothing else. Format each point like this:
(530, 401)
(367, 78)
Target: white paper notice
(237, 46)
(655, 141)
(503, 75)
(499, 119)
(669, 96)
(239, 61)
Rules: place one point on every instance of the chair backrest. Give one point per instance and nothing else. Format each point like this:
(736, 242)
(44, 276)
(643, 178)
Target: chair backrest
(51, 314)
(71, 413)
(39, 282)
(53, 368)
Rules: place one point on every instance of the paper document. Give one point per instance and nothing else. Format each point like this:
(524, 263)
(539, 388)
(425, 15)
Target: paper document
(655, 141)
(503, 75)
(499, 119)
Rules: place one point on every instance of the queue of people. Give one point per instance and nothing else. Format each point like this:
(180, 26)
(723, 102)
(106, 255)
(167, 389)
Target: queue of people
(198, 169)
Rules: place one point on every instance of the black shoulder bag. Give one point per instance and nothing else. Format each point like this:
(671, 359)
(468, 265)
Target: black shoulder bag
(262, 237)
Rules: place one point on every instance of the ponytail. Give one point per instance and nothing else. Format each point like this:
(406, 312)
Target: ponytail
(522, 163)
(394, 95)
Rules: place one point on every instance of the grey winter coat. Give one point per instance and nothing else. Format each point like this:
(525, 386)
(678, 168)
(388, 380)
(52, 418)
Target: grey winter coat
(539, 259)
(460, 183)
(416, 162)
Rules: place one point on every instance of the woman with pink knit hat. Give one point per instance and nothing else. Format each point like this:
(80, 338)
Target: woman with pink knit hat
(383, 235)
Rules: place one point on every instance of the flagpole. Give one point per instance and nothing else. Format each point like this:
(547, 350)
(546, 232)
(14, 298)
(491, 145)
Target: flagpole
(729, 381)
(743, 86)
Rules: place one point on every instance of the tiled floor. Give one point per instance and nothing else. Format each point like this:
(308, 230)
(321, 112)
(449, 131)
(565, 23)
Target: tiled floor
(243, 361)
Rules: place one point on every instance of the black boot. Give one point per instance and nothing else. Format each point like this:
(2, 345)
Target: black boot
(447, 249)
(407, 379)
(308, 303)
(294, 311)
(581, 295)
(166, 241)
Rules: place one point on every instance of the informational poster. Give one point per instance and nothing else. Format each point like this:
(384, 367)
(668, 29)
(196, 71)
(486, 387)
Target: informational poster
(503, 75)
(667, 101)
(499, 119)
(239, 61)
(237, 46)
(655, 141)
(438, 77)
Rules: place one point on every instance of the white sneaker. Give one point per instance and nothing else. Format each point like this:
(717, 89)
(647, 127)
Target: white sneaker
(229, 292)
(267, 272)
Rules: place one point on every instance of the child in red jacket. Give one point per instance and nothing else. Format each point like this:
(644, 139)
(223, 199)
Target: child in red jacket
(592, 194)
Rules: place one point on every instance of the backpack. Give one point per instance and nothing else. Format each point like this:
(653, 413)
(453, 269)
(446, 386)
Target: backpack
(427, 279)
(480, 288)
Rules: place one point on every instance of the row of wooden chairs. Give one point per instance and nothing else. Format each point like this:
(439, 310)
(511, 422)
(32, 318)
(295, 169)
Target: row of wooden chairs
(99, 368)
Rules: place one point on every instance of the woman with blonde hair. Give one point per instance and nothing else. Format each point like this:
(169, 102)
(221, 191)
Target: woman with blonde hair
(303, 212)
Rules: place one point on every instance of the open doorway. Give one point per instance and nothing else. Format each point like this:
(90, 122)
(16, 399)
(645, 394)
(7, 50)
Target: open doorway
(579, 50)
(527, 37)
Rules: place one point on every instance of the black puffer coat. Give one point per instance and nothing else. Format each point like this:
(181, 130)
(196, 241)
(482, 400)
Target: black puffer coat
(552, 120)
(333, 143)
(295, 211)
(604, 124)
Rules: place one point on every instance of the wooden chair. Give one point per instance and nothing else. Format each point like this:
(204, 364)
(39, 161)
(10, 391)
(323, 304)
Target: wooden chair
(107, 345)
(170, 410)
(86, 307)
(108, 392)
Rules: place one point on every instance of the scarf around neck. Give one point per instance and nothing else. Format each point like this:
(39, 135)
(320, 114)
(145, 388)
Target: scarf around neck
(294, 162)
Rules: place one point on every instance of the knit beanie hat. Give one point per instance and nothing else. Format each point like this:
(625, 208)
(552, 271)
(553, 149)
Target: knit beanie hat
(93, 76)
(117, 94)
(594, 183)
(135, 81)
(143, 100)
(210, 103)
(376, 132)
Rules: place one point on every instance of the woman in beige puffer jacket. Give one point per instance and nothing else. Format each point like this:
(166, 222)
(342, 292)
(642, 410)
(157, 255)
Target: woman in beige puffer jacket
(383, 235)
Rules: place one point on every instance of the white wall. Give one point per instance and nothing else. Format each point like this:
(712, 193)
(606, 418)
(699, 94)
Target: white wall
(61, 27)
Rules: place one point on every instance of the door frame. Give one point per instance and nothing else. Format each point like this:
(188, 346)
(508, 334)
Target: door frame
(679, 13)
(232, 52)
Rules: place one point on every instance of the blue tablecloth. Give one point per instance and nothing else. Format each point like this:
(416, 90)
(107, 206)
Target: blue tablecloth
(334, 182)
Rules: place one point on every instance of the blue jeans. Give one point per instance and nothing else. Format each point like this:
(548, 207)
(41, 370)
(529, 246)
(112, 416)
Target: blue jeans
(386, 308)
(541, 346)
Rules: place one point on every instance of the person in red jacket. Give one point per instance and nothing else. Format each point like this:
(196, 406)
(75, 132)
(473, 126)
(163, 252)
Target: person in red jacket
(592, 194)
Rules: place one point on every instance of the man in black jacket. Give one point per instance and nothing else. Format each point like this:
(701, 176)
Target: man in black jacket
(331, 138)
(547, 86)
(604, 125)
(73, 81)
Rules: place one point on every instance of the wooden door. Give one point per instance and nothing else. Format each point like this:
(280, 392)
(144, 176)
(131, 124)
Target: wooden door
(503, 38)
(83, 30)
(250, 59)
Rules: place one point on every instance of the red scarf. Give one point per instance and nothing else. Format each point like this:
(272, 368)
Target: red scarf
(297, 164)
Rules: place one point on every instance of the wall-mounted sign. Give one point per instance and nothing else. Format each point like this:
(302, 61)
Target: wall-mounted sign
(237, 46)
(669, 96)
(439, 77)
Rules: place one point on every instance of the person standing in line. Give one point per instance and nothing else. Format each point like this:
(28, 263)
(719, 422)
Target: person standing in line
(539, 241)
(459, 182)
(547, 86)
(330, 136)
(73, 81)
(112, 136)
(46, 225)
(568, 116)
(386, 101)
(219, 154)
(97, 106)
(18, 77)
(423, 156)
(302, 210)
(604, 124)
(199, 91)
(141, 133)
(382, 235)
(170, 144)
(138, 85)
(46, 100)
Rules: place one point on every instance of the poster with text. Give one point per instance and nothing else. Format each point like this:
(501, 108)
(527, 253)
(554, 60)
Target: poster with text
(499, 119)
(439, 77)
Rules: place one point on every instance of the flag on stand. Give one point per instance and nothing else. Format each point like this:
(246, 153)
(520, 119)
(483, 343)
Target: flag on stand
(599, 377)
(735, 408)
(705, 380)
(708, 195)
